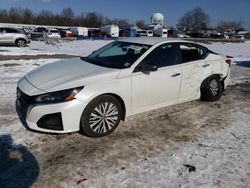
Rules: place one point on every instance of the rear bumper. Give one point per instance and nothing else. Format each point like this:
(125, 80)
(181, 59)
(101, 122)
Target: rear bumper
(227, 79)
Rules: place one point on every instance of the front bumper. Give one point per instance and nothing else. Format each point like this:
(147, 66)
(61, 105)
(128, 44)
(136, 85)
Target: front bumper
(52, 118)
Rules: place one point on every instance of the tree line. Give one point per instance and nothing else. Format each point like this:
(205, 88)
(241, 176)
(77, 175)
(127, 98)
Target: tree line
(196, 20)
(66, 17)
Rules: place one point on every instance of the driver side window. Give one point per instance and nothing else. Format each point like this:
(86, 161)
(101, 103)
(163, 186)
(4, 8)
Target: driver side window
(163, 56)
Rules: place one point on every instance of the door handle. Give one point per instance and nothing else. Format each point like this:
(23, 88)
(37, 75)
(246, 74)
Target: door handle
(206, 65)
(176, 74)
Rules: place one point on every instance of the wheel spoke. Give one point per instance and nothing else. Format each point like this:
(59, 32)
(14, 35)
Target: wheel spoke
(110, 108)
(110, 121)
(113, 111)
(98, 110)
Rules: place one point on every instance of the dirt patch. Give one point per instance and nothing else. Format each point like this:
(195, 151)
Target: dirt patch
(40, 56)
(10, 64)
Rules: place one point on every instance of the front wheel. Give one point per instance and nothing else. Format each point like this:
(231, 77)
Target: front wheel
(101, 116)
(211, 89)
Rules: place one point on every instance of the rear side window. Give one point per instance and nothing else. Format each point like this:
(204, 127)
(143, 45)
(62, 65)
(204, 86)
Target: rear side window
(192, 52)
(2, 30)
(9, 30)
(164, 55)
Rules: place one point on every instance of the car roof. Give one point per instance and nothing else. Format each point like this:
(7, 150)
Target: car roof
(151, 40)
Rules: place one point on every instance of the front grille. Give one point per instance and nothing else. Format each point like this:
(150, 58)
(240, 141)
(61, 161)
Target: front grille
(23, 102)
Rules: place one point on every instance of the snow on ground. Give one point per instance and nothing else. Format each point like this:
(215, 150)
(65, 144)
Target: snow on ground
(12, 70)
(78, 48)
(148, 150)
(240, 51)
(84, 47)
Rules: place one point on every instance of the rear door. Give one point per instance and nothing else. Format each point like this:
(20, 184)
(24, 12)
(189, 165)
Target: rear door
(2, 33)
(195, 69)
(157, 88)
(10, 35)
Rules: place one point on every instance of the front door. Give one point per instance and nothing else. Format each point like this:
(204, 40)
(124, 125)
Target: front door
(154, 89)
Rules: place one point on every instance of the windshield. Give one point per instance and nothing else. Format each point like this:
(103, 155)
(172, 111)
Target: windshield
(117, 54)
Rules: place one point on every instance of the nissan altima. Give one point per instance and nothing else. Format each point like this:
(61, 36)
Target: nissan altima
(129, 76)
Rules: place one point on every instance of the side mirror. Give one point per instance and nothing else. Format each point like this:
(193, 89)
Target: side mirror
(146, 68)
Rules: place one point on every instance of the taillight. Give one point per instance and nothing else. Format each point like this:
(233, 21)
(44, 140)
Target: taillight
(228, 61)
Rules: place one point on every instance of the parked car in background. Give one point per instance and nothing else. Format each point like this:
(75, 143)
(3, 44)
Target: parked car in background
(216, 36)
(195, 35)
(144, 33)
(38, 32)
(53, 33)
(183, 36)
(161, 32)
(66, 34)
(13, 36)
(92, 94)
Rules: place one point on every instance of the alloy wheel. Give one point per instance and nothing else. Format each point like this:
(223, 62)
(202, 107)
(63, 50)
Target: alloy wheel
(214, 87)
(21, 43)
(104, 117)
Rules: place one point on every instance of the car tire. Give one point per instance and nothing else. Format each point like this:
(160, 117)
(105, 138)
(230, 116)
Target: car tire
(211, 89)
(20, 43)
(101, 116)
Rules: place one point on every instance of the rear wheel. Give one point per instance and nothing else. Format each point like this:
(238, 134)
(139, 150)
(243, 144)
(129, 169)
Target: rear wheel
(211, 89)
(101, 116)
(21, 43)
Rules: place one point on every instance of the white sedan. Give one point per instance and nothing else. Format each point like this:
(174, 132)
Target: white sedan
(126, 77)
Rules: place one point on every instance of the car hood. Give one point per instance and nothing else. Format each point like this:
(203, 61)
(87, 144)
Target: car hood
(69, 73)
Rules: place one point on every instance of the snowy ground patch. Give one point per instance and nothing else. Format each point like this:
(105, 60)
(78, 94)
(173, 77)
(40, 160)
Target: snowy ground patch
(78, 48)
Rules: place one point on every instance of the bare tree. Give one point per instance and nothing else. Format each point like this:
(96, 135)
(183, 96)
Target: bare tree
(45, 17)
(4, 16)
(65, 18)
(93, 19)
(196, 20)
(230, 26)
(15, 15)
(67, 15)
(27, 16)
(122, 23)
(141, 24)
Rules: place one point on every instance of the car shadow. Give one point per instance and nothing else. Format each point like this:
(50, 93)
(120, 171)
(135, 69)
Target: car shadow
(18, 166)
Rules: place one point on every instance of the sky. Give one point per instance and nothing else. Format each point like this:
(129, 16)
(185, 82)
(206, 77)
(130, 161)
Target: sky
(218, 10)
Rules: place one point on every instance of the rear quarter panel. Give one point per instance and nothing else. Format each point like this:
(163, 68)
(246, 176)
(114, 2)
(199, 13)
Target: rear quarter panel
(218, 65)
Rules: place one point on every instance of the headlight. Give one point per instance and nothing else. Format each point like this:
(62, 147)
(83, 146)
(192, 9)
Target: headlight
(58, 96)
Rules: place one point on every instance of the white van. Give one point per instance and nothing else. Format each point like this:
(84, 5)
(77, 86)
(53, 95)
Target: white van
(110, 30)
(79, 31)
